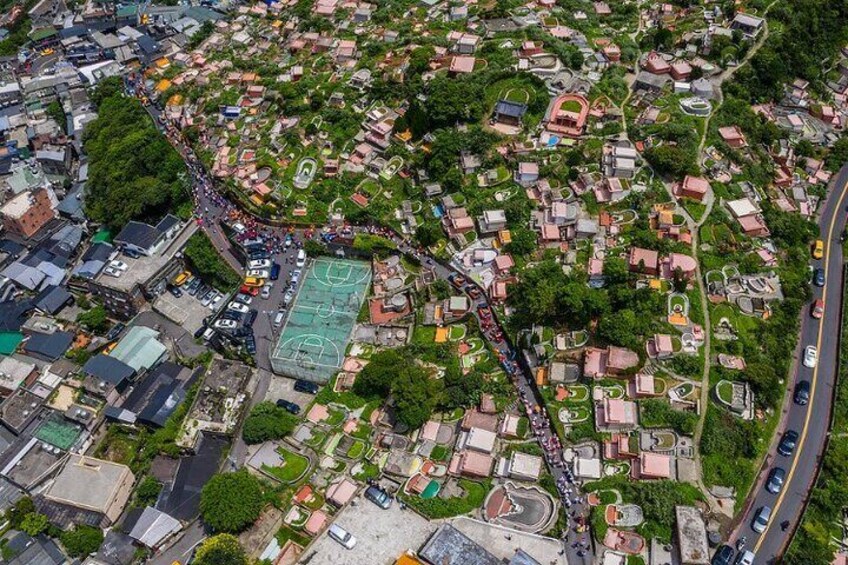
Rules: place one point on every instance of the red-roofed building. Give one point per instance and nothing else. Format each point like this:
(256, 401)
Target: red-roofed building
(652, 466)
(644, 261)
(461, 65)
(615, 414)
(695, 188)
(655, 64)
(471, 464)
(733, 136)
(680, 70)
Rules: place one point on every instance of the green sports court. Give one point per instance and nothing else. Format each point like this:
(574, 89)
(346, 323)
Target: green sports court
(316, 332)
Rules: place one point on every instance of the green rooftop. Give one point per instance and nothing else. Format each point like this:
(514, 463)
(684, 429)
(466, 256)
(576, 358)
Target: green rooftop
(9, 342)
(103, 236)
(58, 432)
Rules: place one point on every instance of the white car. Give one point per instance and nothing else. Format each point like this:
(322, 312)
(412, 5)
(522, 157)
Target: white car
(287, 298)
(208, 297)
(258, 273)
(295, 276)
(266, 292)
(215, 301)
(120, 265)
(112, 272)
(237, 307)
(811, 356)
(259, 264)
(225, 324)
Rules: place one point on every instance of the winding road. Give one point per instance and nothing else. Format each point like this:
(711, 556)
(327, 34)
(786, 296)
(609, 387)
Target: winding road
(810, 421)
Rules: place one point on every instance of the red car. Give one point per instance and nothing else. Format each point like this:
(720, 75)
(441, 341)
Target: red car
(251, 290)
(817, 309)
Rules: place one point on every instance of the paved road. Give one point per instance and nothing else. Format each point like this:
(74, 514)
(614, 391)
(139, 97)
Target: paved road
(213, 208)
(810, 421)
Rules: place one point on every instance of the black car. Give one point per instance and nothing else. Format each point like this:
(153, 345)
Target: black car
(232, 315)
(288, 406)
(200, 331)
(723, 555)
(788, 443)
(776, 478)
(309, 387)
(818, 277)
(115, 331)
(249, 318)
(175, 291)
(379, 497)
(802, 393)
(250, 344)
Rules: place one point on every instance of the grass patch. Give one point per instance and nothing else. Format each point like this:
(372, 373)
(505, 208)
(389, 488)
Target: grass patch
(438, 508)
(295, 466)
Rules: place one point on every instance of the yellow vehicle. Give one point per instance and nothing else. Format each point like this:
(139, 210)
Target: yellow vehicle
(181, 278)
(254, 282)
(47, 52)
(818, 249)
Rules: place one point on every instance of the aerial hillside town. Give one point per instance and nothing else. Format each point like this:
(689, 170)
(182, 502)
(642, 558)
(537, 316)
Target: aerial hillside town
(423, 282)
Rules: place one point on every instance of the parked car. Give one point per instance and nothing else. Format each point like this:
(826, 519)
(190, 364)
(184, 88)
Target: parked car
(254, 282)
(275, 271)
(193, 286)
(818, 277)
(258, 273)
(301, 385)
(244, 298)
(288, 406)
(342, 536)
(295, 276)
(776, 478)
(287, 298)
(115, 331)
(278, 319)
(301, 259)
(259, 264)
(379, 497)
(120, 265)
(225, 324)
(237, 307)
(249, 318)
(811, 356)
(266, 292)
(761, 519)
(112, 272)
(250, 290)
(207, 298)
(175, 291)
(802, 393)
(818, 249)
(723, 555)
(788, 443)
(817, 308)
(250, 344)
(745, 558)
(182, 278)
(213, 305)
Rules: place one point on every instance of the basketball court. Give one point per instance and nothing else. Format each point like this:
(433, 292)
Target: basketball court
(317, 329)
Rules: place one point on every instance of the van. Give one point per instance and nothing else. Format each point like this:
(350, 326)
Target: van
(342, 536)
(278, 319)
(207, 335)
(379, 497)
(301, 258)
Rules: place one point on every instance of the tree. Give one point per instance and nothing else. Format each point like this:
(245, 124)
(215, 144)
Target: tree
(82, 540)
(620, 328)
(452, 100)
(376, 378)
(107, 88)
(208, 263)
(230, 502)
(134, 173)
(416, 395)
(523, 242)
(428, 234)
(34, 523)
(148, 491)
(223, 549)
(19, 511)
(267, 422)
(94, 320)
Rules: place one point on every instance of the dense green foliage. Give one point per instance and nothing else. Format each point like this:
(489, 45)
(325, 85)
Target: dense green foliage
(394, 372)
(267, 422)
(656, 413)
(230, 502)
(134, 173)
(811, 32)
(82, 540)
(94, 320)
(208, 263)
(223, 549)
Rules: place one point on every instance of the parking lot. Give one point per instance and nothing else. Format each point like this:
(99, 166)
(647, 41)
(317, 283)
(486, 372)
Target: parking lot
(186, 310)
(382, 535)
(281, 387)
